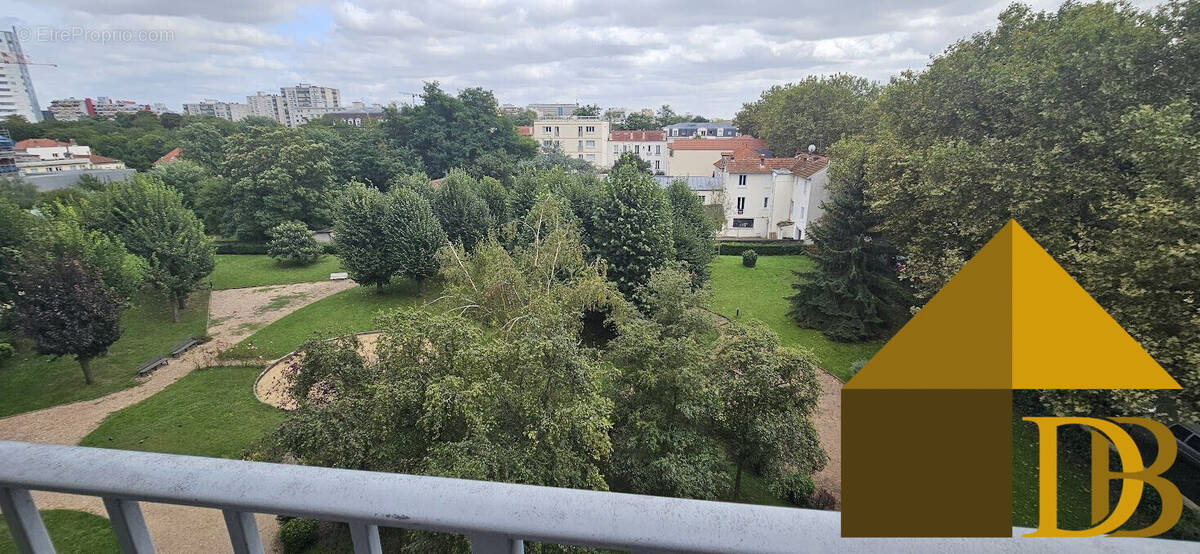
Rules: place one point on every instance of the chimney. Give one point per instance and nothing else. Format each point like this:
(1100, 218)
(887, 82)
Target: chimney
(762, 160)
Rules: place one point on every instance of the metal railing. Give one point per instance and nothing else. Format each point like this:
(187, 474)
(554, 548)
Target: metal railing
(497, 517)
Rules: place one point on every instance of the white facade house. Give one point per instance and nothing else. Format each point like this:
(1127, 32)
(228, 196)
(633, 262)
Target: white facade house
(771, 198)
(16, 86)
(583, 137)
(650, 146)
(44, 156)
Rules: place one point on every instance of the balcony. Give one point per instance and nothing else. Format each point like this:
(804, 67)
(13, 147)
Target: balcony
(497, 517)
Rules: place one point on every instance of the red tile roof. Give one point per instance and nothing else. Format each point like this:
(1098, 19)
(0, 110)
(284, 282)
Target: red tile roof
(525, 130)
(38, 143)
(102, 160)
(169, 156)
(637, 136)
(743, 161)
(723, 144)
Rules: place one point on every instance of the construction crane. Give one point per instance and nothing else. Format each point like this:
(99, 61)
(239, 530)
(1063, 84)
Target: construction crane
(414, 95)
(5, 57)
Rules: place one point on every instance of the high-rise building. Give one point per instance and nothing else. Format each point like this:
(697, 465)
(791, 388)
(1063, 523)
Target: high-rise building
(229, 111)
(305, 102)
(16, 86)
(71, 109)
(268, 105)
(107, 107)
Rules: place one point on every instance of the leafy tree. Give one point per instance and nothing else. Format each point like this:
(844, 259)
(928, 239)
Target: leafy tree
(667, 116)
(360, 218)
(853, 293)
(151, 220)
(413, 235)
(632, 228)
(768, 395)
(364, 154)
(19, 191)
(817, 110)
(555, 157)
(89, 182)
(639, 122)
(66, 309)
(186, 177)
(276, 175)
(633, 160)
(588, 110)
(16, 230)
(62, 234)
(664, 397)
(292, 242)
(692, 231)
(464, 216)
(170, 120)
(497, 165)
(495, 196)
(202, 143)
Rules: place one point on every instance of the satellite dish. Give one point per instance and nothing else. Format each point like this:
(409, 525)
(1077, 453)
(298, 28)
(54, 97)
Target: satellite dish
(812, 148)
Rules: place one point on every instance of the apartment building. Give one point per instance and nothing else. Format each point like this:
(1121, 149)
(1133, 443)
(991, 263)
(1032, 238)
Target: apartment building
(229, 111)
(696, 130)
(71, 109)
(268, 105)
(696, 156)
(650, 146)
(42, 156)
(553, 110)
(771, 198)
(306, 102)
(17, 96)
(583, 137)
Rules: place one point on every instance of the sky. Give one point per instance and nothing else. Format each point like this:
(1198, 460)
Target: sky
(700, 56)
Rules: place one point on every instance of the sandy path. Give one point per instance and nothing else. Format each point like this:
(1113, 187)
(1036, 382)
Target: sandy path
(233, 315)
(828, 421)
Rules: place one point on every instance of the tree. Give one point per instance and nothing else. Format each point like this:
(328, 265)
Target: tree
(16, 230)
(276, 175)
(495, 196)
(360, 217)
(185, 177)
(151, 220)
(692, 231)
(202, 143)
(66, 309)
(464, 216)
(632, 228)
(853, 293)
(19, 191)
(667, 116)
(292, 242)
(590, 110)
(639, 122)
(768, 395)
(817, 110)
(633, 160)
(664, 397)
(413, 235)
(62, 234)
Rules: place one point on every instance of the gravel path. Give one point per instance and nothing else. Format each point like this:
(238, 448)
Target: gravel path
(828, 421)
(233, 315)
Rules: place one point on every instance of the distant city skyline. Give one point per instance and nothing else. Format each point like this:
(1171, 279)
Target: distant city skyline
(699, 57)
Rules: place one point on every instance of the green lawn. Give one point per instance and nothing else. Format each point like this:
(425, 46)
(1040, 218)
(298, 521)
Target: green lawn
(349, 311)
(72, 533)
(210, 412)
(1074, 486)
(248, 270)
(30, 382)
(760, 292)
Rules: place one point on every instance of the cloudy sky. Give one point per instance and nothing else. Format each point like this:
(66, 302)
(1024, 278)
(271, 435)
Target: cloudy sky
(700, 56)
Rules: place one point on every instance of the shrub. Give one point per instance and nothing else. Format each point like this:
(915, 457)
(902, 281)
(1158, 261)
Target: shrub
(796, 488)
(292, 242)
(764, 248)
(6, 351)
(237, 247)
(823, 500)
(749, 258)
(855, 367)
(297, 534)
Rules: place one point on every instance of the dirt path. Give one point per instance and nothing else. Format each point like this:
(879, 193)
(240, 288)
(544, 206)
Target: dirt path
(233, 315)
(828, 421)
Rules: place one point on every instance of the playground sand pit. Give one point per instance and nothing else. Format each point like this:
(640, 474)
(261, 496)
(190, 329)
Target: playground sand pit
(275, 384)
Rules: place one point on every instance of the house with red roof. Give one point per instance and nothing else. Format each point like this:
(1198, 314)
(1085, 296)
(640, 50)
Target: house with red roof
(169, 156)
(650, 146)
(696, 156)
(768, 197)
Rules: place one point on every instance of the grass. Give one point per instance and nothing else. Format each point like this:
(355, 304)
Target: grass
(760, 292)
(249, 270)
(210, 412)
(1074, 485)
(72, 533)
(349, 311)
(30, 382)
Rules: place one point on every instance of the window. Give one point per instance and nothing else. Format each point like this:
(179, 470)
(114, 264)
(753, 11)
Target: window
(546, 143)
(590, 143)
(580, 145)
(701, 198)
(743, 224)
(580, 131)
(656, 164)
(547, 130)
(616, 149)
(590, 130)
(658, 149)
(591, 157)
(765, 201)
(741, 180)
(741, 204)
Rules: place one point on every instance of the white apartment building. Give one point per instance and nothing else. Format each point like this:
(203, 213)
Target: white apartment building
(71, 109)
(264, 104)
(16, 86)
(108, 107)
(583, 137)
(553, 110)
(42, 156)
(771, 198)
(650, 146)
(305, 102)
(229, 111)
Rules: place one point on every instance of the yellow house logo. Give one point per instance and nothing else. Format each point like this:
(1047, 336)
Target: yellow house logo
(927, 423)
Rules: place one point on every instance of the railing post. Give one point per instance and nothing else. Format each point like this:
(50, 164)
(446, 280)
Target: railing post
(496, 544)
(243, 532)
(366, 538)
(129, 526)
(24, 522)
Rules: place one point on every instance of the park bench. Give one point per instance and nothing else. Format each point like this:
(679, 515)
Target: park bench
(151, 365)
(183, 347)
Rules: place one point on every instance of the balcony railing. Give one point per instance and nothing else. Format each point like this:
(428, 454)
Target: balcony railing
(497, 517)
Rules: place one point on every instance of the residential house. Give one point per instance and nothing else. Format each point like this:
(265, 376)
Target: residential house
(694, 130)
(169, 157)
(583, 137)
(771, 198)
(650, 146)
(696, 156)
(41, 156)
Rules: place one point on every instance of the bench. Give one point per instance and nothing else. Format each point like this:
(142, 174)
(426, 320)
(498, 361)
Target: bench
(183, 347)
(151, 365)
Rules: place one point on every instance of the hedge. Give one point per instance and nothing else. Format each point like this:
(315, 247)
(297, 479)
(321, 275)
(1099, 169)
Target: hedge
(763, 248)
(234, 247)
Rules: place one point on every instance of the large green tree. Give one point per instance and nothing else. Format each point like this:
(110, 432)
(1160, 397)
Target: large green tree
(632, 227)
(817, 110)
(202, 143)
(360, 219)
(276, 175)
(186, 177)
(853, 292)
(152, 222)
(462, 212)
(413, 235)
(692, 231)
